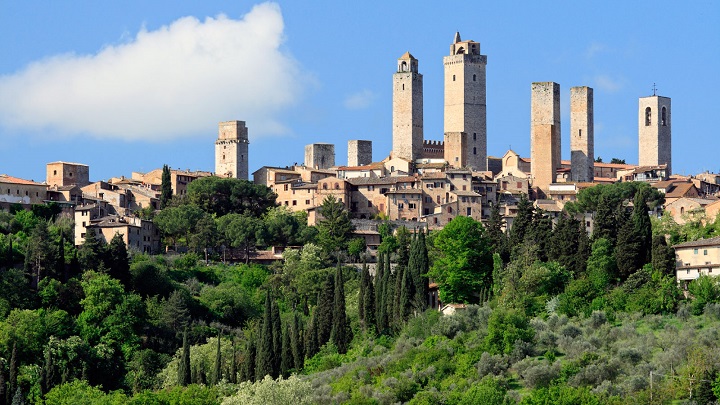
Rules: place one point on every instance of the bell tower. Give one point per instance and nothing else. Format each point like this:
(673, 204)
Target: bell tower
(654, 132)
(465, 99)
(231, 150)
(407, 109)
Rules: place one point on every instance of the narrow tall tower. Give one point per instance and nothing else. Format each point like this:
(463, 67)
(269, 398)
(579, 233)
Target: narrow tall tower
(407, 109)
(654, 132)
(231, 150)
(544, 133)
(582, 134)
(465, 101)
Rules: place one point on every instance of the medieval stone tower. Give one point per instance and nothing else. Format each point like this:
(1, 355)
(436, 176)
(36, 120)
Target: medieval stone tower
(320, 155)
(654, 132)
(582, 134)
(544, 133)
(359, 153)
(231, 150)
(407, 109)
(465, 101)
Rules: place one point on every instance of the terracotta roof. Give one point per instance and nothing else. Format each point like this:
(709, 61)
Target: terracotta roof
(434, 176)
(680, 190)
(465, 193)
(405, 191)
(361, 181)
(702, 242)
(371, 166)
(430, 165)
(406, 55)
(4, 178)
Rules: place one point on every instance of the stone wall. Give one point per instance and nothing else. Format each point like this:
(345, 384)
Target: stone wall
(359, 153)
(582, 134)
(320, 155)
(544, 133)
(654, 132)
(231, 150)
(407, 108)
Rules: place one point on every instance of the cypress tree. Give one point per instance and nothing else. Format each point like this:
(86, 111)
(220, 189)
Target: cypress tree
(264, 359)
(217, 374)
(369, 309)
(605, 225)
(397, 316)
(248, 366)
(407, 296)
(311, 339)
(286, 358)
(60, 272)
(643, 227)
(296, 342)
(495, 233)
(118, 262)
(233, 363)
(421, 267)
(277, 339)
(364, 278)
(627, 251)
(166, 187)
(341, 335)
(523, 221)
(47, 375)
(379, 288)
(663, 256)
(540, 233)
(324, 311)
(2, 386)
(12, 383)
(19, 398)
(184, 365)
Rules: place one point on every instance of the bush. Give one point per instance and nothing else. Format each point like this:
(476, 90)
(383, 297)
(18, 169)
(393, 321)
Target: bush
(488, 391)
(540, 375)
(293, 391)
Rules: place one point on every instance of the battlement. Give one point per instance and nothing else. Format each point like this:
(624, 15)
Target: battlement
(433, 149)
(465, 58)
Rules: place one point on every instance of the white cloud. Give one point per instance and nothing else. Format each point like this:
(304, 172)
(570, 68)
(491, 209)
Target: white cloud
(359, 100)
(594, 49)
(606, 83)
(179, 80)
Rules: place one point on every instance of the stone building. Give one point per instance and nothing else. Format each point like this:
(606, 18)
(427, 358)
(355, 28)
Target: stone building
(67, 174)
(544, 133)
(14, 190)
(407, 116)
(359, 153)
(700, 257)
(231, 150)
(320, 155)
(654, 132)
(465, 100)
(456, 144)
(582, 134)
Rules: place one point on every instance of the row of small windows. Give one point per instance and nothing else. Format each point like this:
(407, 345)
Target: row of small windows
(37, 194)
(474, 79)
(648, 116)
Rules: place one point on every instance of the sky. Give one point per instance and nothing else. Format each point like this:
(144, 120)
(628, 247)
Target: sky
(129, 86)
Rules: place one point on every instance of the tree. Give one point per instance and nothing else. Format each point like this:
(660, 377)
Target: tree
(276, 339)
(616, 161)
(296, 342)
(498, 238)
(91, 252)
(334, 226)
(324, 310)
(341, 333)
(369, 305)
(265, 358)
(217, 374)
(663, 256)
(568, 244)
(205, 235)
(41, 254)
(311, 337)
(222, 196)
(165, 187)
(178, 222)
(464, 262)
(540, 233)
(13, 380)
(628, 251)
(286, 359)
(248, 365)
(641, 223)
(118, 262)
(523, 221)
(241, 231)
(605, 225)
(184, 365)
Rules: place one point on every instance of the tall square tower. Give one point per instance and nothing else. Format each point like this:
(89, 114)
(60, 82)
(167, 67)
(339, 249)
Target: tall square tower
(359, 153)
(320, 155)
(465, 100)
(231, 150)
(407, 115)
(582, 134)
(544, 133)
(654, 132)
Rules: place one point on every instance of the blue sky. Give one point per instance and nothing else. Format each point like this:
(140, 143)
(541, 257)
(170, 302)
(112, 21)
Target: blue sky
(129, 86)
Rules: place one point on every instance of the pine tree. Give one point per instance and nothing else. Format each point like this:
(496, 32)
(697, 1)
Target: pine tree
(165, 187)
(324, 311)
(643, 227)
(184, 365)
(286, 358)
(341, 334)
(264, 360)
(296, 341)
(217, 374)
(12, 383)
(277, 339)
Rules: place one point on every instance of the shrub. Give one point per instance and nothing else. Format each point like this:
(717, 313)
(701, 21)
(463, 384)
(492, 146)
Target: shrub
(293, 391)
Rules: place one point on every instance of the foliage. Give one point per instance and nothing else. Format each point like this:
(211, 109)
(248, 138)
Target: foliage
(272, 392)
(334, 226)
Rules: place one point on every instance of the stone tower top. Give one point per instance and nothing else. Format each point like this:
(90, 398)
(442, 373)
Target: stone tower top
(459, 47)
(407, 64)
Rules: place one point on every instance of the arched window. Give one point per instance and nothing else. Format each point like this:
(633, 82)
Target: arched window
(403, 66)
(337, 186)
(392, 169)
(648, 115)
(453, 77)
(682, 210)
(324, 186)
(449, 210)
(663, 117)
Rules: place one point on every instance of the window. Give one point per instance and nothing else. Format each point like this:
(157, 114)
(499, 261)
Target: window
(663, 117)
(474, 77)
(695, 251)
(464, 187)
(474, 151)
(438, 199)
(469, 211)
(369, 203)
(371, 188)
(412, 206)
(453, 77)
(648, 115)
(285, 187)
(403, 86)
(474, 136)
(337, 186)
(294, 202)
(449, 210)
(428, 199)
(426, 211)
(401, 206)
(307, 202)
(324, 186)
(435, 221)
(519, 184)
(705, 252)
(54, 172)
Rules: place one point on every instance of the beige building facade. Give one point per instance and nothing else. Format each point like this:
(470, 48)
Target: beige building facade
(231, 150)
(655, 132)
(700, 257)
(544, 133)
(67, 174)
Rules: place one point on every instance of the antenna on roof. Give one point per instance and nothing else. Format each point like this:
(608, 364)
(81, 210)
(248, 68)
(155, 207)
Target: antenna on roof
(654, 90)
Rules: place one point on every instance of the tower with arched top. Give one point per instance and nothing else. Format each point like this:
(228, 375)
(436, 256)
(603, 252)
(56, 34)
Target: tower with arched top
(407, 109)
(654, 132)
(231, 150)
(465, 99)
